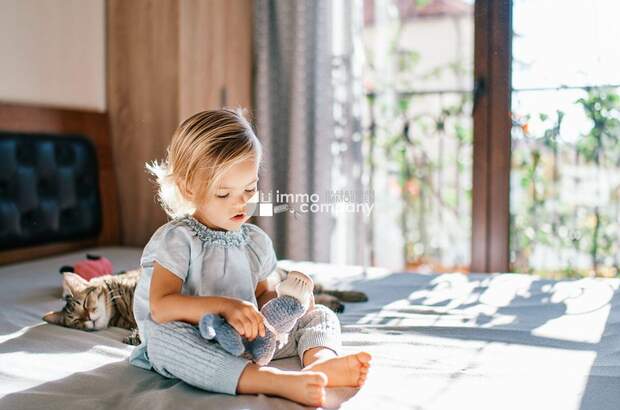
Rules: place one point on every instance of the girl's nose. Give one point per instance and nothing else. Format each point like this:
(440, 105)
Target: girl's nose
(247, 196)
(242, 199)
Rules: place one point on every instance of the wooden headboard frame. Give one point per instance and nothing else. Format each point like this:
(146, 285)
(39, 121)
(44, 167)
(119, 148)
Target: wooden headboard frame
(26, 118)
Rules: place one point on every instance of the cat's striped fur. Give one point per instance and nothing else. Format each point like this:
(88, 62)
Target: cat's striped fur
(96, 304)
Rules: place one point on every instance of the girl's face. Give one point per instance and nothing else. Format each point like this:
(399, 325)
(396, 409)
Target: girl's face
(227, 207)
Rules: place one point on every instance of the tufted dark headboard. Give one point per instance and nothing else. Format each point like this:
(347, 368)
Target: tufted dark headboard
(48, 189)
(57, 186)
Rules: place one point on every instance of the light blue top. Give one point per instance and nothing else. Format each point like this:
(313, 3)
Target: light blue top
(210, 263)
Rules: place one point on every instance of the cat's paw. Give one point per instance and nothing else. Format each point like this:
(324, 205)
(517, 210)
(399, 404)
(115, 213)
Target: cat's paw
(132, 339)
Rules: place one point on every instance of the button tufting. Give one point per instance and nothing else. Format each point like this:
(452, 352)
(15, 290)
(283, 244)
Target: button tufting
(65, 155)
(48, 189)
(26, 154)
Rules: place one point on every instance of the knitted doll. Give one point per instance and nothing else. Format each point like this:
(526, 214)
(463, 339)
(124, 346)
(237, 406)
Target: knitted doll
(281, 314)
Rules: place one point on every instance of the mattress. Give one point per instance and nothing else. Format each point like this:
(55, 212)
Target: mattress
(438, 342)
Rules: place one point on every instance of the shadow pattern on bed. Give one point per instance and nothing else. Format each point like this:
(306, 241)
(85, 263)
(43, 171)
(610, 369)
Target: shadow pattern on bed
(579, 316)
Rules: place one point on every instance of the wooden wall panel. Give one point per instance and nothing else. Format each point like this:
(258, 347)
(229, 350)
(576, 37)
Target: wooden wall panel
(166, 61)
(215, 55)
(238, 53)
(142, 84)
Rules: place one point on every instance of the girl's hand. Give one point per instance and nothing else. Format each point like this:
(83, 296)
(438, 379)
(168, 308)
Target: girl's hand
(244, 317)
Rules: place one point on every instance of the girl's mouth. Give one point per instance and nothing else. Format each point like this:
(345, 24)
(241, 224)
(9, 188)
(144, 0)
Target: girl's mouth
(238, 217)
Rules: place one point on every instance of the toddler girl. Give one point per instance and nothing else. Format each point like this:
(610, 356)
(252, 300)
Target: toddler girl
(207, 259)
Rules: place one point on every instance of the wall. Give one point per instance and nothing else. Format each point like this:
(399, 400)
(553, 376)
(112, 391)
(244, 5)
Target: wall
(148, 63)
(53, 53)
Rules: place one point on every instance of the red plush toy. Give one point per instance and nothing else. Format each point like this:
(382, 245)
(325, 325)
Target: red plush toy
(91, 267)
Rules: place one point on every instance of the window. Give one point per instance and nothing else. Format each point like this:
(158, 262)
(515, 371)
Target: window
(565, 168)
(418, 132)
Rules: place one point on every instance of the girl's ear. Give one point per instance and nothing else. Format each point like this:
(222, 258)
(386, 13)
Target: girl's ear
(189, 193)
(186, 191)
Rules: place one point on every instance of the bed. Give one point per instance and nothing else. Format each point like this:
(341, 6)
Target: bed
(439, 341)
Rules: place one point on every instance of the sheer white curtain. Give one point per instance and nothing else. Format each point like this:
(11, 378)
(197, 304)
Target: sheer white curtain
(350, 168)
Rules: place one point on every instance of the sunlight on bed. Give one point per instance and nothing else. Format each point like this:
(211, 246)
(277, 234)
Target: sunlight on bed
(522, 303)
(28, 369)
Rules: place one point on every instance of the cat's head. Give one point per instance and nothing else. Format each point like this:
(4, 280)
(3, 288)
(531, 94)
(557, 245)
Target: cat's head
(86, 304)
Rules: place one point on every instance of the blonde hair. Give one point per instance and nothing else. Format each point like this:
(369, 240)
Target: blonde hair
(203, 146)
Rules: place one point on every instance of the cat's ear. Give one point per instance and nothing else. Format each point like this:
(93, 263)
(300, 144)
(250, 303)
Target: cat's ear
(93, 296)
(55, 318)
(72, 284)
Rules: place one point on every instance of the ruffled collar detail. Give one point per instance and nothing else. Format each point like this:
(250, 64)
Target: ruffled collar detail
(225, 239)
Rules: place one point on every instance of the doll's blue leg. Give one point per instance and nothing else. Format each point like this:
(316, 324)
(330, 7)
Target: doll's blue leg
(206, 326)
(262, 348)
(282, 313)
(216, 327)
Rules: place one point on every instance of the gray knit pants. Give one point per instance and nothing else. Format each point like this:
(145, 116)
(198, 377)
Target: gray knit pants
(177, 350)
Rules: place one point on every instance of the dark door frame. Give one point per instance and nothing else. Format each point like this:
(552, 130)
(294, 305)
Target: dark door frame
(492, 142)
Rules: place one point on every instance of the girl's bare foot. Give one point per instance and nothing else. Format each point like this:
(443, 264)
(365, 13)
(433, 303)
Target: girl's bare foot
(349, 370)
(303, 387)
(307, 388)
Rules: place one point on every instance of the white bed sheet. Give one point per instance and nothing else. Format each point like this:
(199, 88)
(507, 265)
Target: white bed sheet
(438, 342)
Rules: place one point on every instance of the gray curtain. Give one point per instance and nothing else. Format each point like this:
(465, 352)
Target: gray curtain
(294, 118)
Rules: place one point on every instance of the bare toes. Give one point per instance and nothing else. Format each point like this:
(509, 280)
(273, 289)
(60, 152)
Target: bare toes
(363, 357)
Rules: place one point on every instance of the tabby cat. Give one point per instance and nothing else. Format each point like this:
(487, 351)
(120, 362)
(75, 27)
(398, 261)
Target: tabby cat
(107, 301)
(96, 304)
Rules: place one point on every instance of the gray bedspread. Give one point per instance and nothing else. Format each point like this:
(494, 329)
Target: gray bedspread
(447, 341)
